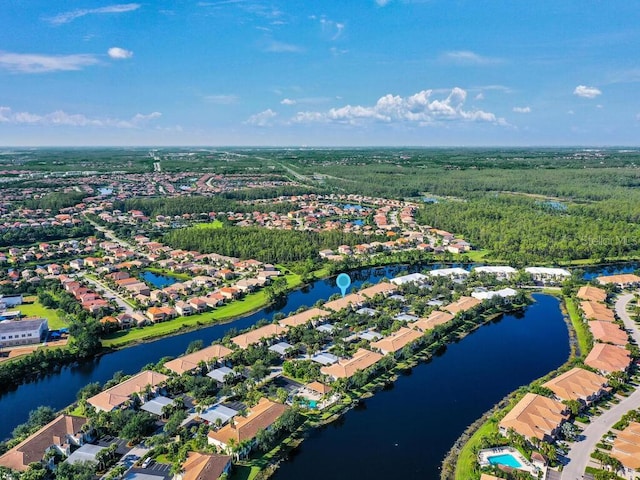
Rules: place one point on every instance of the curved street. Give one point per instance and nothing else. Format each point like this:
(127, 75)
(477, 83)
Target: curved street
(580, 453)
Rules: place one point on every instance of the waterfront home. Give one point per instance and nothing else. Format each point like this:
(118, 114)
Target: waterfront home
(548, 275)
(462, 305)
(596, 311)
(57, 435)
(608, 332)
(417, 278)
(200, 466)
(229, 292)
(189, 362)
(397, 341)
(348, 301)
(578, 384)
(626, 449)
(244, 429)
(499, 271)
(346, 368)
(304, 317)
(593, 294)
(622, 280)
(382, 288)
(455, 273)
(535, 416)
(434, 319)
(119, 395)
(486, 295)
(184, 308)
(160, 314)
(23, 332)
(258, 335)
(486, 476)
(608, 358)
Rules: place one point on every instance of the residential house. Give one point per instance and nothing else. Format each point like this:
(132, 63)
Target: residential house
(608, 332)
(243, 429)
(592, 294)
(119, 395)
(382, 288)
(353, 300)
(535, 416)
(626, 449)
(434, 319)
(201, 466)
(184, 308)
(59, 434)
(498, 271)
(346, 368)
(187, 363)
(397, 341)
(621, 280)
(304, 317)
(608, 358)
(596, 311)
(462, 305)
(548, 275)
(258, 335)
(578, 384)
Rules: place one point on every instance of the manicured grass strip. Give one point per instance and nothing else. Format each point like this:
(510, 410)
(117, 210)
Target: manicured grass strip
(211, 225)
(36, 309)
(168, 273)
(582, 332)
(467, 459)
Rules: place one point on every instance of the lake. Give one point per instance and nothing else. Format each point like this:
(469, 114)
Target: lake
(158, 281)
(406, 431)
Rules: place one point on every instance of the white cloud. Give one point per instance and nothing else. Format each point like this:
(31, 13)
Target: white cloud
(522, 109)
(332, 30)
(282, 47)
(70, 16)
(119, 53)
(479, 96)
(467, 57)
(586, 92)
(288, 101)
(262, 119)
(61, 118)
(222, 99)
(419, 108)
(38, 63)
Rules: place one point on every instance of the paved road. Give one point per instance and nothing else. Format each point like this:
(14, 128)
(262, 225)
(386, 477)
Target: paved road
(108, 293)
(580, 453)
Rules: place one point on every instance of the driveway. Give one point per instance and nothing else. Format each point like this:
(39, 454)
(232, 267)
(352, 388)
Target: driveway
(580, 453)
(108, 293)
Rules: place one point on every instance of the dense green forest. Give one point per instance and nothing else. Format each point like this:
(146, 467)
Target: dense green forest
(26, 236)
(523, 230)
(273, 246)
(54, 201)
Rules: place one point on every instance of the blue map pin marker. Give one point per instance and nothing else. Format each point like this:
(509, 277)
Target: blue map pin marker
(343, 281)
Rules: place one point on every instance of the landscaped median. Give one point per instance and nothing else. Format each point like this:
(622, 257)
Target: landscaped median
(237, 308)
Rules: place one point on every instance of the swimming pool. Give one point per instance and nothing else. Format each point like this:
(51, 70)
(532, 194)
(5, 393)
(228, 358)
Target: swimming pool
(505, 459)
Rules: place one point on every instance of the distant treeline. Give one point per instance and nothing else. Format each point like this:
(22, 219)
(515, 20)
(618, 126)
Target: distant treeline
(523, 230)
(179, 205)
(54, 201)
(273, 246)
(26, 236)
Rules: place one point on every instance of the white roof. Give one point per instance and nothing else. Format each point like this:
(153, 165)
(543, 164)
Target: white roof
(412, 277)
(281, 347)
(367, 311)
(85, 453)
(448, 272)
(218, 374)
(225, 414)
(553, 272)
(370, 335)
(155, 405)
(405, 317)
(504, 293)
(495, 269)
(325, 358)
(327, 327)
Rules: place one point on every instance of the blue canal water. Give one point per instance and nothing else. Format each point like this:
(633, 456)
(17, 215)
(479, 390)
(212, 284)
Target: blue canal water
(406, 431)
(158, 281)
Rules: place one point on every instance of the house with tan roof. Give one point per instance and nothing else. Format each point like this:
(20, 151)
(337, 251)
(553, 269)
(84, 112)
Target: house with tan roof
(462, 305)
(621, 280)
(535, 416)
(346, 368)
(189, 362)
(593, 294)
(348, 301)
(258, 335)
(382, 288)
(59, 434)
(396, 341)
(596, 311)
(578, 384)
(486, 476)
(434, 319)
(608, 332)
(304, 317)
(119, 395)
(242, 429)
(204, 466)
(626, 448)
(608, 358)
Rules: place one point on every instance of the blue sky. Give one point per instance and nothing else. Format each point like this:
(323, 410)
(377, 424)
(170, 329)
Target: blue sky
(319, 73)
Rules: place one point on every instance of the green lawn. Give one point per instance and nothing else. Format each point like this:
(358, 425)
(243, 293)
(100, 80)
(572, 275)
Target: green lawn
(168, 273)
(475, 255)
(36, 309)
(467, 459)
(211, 225)
(582, 332)
(247, 304)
